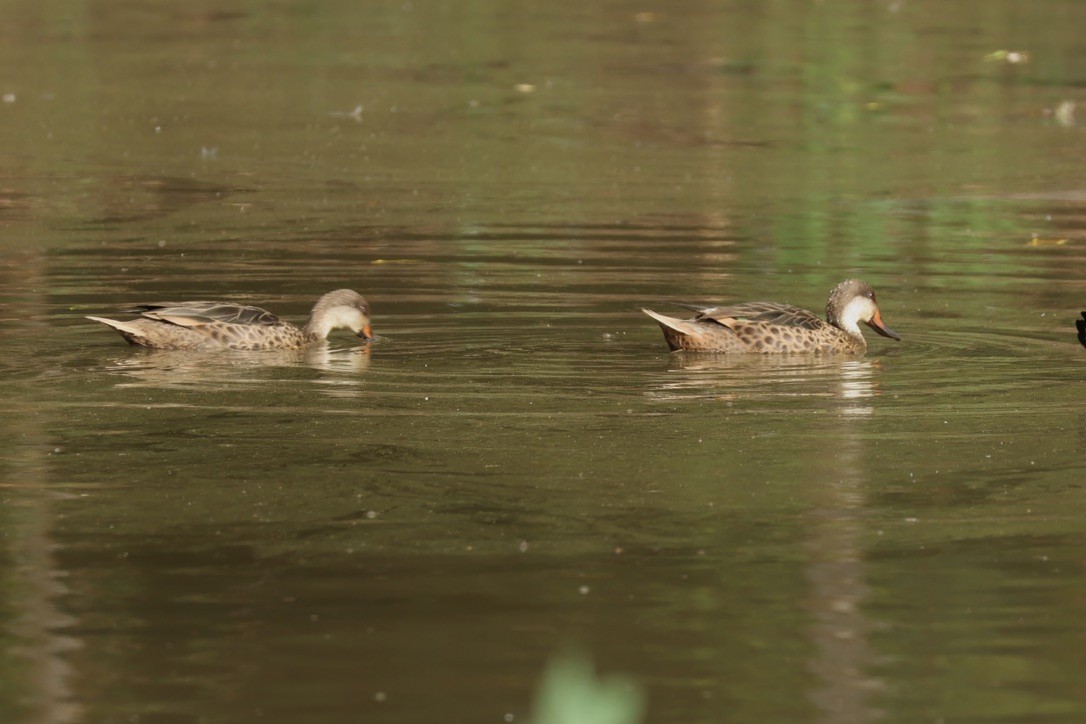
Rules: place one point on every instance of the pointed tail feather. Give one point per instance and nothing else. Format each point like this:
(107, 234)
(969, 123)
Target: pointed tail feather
(127, 330)
(674, 329)
(678, 325)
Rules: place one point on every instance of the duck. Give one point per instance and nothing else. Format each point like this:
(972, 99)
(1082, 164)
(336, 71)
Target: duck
(227, 325)
(775, 328)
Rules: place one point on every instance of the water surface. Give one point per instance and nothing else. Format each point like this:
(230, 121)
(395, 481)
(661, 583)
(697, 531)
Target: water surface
(406, 531)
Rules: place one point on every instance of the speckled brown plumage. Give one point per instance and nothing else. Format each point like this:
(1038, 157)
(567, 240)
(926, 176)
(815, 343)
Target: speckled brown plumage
(226, 325)
(774, 328)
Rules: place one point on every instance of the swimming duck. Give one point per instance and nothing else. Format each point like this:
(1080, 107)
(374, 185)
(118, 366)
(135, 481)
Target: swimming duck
(773, 328)
(226, 325)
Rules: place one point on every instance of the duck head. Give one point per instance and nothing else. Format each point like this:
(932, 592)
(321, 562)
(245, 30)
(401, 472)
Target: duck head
(341, 309)
(853, 301)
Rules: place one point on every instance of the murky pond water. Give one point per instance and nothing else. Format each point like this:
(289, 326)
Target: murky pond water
(406, 531)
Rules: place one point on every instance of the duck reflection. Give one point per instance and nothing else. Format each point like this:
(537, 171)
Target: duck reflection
(737, 377)
(836, 535)
(217, 369)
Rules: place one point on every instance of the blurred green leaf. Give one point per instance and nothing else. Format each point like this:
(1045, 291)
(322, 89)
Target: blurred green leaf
(570, 693)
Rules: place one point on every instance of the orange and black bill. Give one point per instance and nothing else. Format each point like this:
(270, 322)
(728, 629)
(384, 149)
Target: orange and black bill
(877, 324)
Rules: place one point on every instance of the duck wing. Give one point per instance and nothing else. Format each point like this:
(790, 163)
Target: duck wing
(784, 315)
(197, 314)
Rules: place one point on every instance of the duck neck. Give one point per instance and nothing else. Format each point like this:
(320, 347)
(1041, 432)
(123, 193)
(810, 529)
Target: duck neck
(317, 327)
(846, 322)
(851, 329)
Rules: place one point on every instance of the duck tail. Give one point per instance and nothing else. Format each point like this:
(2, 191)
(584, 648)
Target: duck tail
(674, 329)
(128, 331)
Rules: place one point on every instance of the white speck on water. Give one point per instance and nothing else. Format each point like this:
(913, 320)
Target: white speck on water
(912, 520)
(583, 590)
(8, 98)
(509, 717)
(371, 514)
(523, 547)
(380, 696)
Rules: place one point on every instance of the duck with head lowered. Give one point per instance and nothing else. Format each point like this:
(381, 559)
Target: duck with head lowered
(775, 328)
(228, 325)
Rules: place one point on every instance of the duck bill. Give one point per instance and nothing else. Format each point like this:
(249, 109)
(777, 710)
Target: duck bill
(366, 333)
(877, 324)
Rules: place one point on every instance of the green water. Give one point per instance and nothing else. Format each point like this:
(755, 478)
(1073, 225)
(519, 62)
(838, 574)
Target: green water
(407, 532)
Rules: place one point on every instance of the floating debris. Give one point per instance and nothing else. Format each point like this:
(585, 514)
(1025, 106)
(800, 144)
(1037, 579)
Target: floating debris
(524, 88)
(1013, 57)
(355, 115)
(1037, 241)
(1065, 113)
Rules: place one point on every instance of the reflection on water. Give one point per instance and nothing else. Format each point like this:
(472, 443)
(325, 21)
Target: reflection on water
(766, 377)
(38, 628)
(837, 570)
(142, 367)
(834, 540)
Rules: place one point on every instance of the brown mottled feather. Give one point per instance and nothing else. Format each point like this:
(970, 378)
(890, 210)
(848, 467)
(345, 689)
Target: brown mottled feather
(764, 312)
(204, 312)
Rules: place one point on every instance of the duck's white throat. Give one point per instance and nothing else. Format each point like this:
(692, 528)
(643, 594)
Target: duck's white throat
(860, 309)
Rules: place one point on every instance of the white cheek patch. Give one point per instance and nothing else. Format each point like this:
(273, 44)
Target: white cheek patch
(345, 317)
(859, 309)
